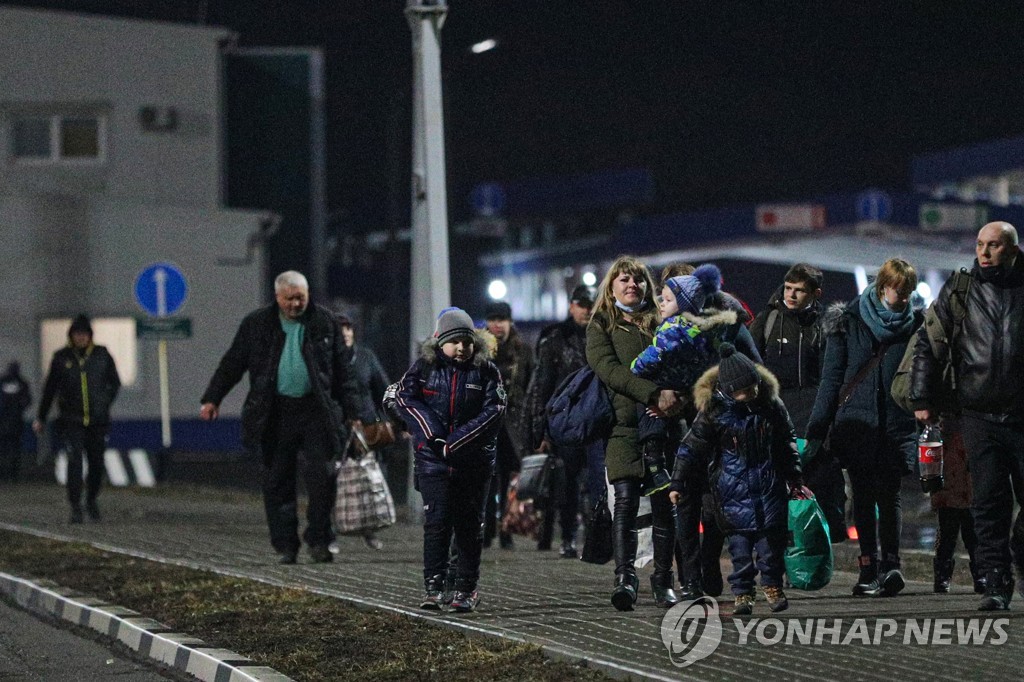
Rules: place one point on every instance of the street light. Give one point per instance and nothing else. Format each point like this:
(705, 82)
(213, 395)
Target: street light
(483, 46)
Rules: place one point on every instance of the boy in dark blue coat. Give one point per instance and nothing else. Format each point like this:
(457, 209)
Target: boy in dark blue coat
(744, 440)
(452, 401)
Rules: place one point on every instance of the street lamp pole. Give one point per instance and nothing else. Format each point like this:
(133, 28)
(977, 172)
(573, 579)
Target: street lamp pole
(430, 278)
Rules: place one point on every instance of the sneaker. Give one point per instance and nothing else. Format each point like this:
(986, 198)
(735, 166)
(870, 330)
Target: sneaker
(287, 557)
(998, 591)
(92, 510)
(76, 515)
(890, 583)
(433, 600)
(464, 602)
(568, 551)
(320, 554)
(744, 605)
(776, 599)
(373, 542)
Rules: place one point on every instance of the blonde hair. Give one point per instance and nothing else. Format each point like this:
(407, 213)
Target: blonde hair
(605, 306)
(896, 273)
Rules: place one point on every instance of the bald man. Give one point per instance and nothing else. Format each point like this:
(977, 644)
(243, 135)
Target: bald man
(989, 363)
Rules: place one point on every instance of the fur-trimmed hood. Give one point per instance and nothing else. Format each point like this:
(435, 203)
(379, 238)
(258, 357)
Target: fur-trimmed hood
(709, 319)
(706, 387)
(832, 317)
(485, 346)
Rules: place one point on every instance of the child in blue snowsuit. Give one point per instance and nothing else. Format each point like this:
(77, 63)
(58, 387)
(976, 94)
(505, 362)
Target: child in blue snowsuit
(744, 440)
(452, 401)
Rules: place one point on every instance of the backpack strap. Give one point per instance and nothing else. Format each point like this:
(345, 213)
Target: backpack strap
(769, 323)
(958, 305)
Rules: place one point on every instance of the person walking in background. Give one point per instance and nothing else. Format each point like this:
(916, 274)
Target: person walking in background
(743, 442)
(83, 379)
(515, 362)
(625, 316)
(15, 397)
(871, 435)
(988, 362)
(300, 389)
(561, 351)
(370, 381)
(452, 401)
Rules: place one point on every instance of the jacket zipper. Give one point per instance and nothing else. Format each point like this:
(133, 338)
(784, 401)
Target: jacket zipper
(85, 391)
(800, 359)
(451, 404)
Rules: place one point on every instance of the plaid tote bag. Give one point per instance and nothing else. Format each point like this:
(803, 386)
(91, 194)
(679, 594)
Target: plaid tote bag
(363, 501)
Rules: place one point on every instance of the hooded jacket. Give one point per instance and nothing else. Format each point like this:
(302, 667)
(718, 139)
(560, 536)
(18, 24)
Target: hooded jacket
(257, 348)
(748, 451)
(85, 384)
(514, 359)
(869, 430)
(461, 403)
(791, 349)
(990, 351)
(561, 351)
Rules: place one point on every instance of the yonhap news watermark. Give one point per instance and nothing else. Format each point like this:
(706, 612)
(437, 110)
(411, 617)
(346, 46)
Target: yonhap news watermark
(693, 630)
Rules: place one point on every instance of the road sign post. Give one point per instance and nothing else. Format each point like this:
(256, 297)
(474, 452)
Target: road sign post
(161, 290)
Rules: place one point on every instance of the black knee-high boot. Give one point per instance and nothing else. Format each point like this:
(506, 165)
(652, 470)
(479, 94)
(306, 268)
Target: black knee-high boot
(624, 542)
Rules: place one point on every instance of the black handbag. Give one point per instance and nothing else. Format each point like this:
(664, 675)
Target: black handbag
(597, 547)
(535, 477)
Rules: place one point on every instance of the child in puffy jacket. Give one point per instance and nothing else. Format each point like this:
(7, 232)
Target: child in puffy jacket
(744, 440)
(452, 401)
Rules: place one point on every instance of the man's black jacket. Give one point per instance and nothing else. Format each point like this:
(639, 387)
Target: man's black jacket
(85, 383)
(257, 349)
(990, 351)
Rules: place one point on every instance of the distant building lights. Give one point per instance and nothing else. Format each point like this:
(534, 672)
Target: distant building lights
(484, 46)
(497, 290)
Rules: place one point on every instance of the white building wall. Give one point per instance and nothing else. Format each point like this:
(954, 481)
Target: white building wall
(75, 236)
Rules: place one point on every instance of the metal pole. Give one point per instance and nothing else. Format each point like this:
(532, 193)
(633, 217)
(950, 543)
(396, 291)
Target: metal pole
(165, 395)
(430, 277)
(429, 254)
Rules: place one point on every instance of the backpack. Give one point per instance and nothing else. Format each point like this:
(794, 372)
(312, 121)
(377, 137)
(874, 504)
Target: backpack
(580, 410)
(943, 350)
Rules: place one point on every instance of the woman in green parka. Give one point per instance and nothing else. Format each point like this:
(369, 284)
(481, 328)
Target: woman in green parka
(623, 323)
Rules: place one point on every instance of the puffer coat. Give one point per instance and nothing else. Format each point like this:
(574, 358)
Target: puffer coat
(870, 432)
(748, 451)
(462, 403)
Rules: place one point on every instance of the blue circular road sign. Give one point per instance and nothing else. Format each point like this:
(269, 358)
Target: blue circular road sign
(160, 289)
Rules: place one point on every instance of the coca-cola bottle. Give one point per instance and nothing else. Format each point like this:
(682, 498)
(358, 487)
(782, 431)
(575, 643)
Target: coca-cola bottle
(929, 456)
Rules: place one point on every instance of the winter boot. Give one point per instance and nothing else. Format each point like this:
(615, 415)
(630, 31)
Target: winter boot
(867, 582)
(890, 579)
(943, 575)
(998, 590)
(465, 601)
(655, 477)
(433, 598)
(661, 587)
(691, 590)
(744, 605)
(624, 594)
(776, 599)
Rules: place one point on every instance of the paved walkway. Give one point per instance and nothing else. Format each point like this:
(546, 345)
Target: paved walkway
(559, 604)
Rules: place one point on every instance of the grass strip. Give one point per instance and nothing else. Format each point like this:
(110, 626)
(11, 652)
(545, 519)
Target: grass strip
(303, 635)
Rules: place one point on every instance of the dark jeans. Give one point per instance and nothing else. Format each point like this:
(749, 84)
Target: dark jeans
(953, 523)
(697, 558)
(565, 496)
(453, 506)
(297, 424)
(770, 547)
(995, 454)
(881, 488)
(89, 442)
(10, 455)
(506, 463)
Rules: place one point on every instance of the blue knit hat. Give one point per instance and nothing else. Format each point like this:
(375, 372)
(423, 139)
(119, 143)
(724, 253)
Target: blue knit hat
(691, 291)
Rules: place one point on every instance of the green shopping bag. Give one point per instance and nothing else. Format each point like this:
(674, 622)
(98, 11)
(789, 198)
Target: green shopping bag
(809, 554)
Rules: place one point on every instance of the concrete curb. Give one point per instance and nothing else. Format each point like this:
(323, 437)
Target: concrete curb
(144, 635)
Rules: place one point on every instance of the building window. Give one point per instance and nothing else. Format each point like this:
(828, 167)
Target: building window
(58, 138)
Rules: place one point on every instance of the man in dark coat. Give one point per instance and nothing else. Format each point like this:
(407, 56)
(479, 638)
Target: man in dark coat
(15, 398)
(298, 379)
(515, 362)
(561, 351)
(84, 381)
(988, 359)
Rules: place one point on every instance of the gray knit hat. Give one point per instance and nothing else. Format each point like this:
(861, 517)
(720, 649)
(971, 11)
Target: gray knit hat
(736, 370)
(453, 323)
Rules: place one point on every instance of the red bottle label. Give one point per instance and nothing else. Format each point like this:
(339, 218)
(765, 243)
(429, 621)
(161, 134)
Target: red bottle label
(929, 453)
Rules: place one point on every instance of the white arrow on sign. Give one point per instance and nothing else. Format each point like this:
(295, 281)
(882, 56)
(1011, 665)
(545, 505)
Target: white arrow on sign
(160, 279)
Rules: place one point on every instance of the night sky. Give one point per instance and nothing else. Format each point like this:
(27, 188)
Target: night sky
(724, 102)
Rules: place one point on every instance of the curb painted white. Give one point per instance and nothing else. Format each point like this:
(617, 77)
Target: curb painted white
(144, 635)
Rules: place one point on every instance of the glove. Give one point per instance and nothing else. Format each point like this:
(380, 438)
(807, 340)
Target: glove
(440, 447)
